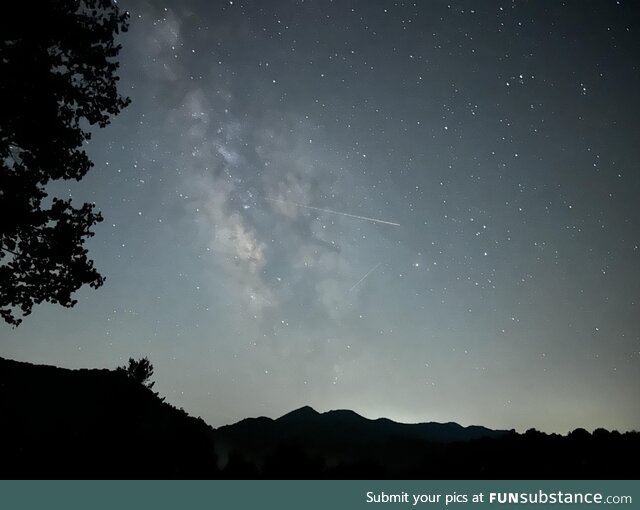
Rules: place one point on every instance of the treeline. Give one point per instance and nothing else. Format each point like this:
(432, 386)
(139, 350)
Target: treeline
(532, 455)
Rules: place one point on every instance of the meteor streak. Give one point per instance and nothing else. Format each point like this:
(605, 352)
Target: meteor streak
(374, 220)
(365, 276)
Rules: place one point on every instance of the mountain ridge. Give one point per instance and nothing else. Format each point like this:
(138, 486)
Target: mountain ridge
(440, 431)
(339, 437)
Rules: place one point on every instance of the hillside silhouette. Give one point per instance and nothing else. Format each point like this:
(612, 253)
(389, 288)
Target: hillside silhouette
(70, 424)
(87, 424)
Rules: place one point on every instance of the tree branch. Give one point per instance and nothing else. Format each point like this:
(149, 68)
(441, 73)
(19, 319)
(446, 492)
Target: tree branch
(9, 251)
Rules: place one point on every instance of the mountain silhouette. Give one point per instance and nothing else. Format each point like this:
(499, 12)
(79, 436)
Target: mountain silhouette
(340, 437)
(344, 426)
(342, 444)
(79, 424)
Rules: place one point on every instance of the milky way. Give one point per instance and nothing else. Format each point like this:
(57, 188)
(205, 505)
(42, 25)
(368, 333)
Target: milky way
(473, 166)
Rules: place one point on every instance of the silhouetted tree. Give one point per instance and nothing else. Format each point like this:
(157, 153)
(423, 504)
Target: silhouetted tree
(601, 434)
(579, 434)
(140, 371)
(57, 77)
(532, 433)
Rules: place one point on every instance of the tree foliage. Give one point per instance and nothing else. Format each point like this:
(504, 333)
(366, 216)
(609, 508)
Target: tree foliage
(140, 371)
(57, 77)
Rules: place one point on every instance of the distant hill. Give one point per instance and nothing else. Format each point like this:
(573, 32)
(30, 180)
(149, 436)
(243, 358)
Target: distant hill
(70, 424)
(342, 444)
(59, 423)
(336, 436)
(345, 424)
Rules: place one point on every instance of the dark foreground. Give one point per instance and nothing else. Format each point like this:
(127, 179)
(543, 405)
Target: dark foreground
(86, 424)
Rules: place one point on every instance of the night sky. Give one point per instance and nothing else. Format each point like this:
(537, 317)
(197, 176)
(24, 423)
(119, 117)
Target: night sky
(424, 211)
